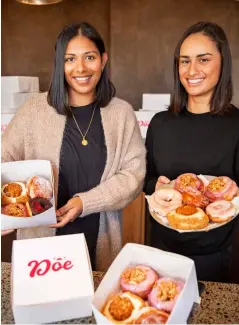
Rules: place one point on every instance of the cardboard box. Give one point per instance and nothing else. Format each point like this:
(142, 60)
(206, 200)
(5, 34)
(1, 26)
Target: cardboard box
(21, 171)
(5, 120)
(11, 101)
(19, 84)
(51, 279)
(166, 264)
(156, 102)
(144, 118)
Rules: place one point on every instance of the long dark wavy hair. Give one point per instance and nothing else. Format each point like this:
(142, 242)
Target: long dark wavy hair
(220, 102)
(57, 94)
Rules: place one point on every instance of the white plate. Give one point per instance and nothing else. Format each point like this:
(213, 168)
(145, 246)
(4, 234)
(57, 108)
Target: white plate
(212, 225)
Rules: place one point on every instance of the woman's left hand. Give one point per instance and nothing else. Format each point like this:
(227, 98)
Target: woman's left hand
(69, 212)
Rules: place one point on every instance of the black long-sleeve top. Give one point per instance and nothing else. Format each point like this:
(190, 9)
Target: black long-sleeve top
(193, 143)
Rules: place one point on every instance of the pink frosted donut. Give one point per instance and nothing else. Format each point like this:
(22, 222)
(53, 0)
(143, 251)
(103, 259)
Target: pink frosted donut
(188, 182)
(39, 187)
(165, 293)
(165, 200)
(221, 188)
(151, 315)
(138, 280)
(220, 211)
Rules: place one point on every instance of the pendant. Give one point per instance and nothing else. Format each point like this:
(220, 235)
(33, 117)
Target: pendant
(84, 142)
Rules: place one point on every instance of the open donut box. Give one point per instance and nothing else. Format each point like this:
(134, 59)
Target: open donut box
(166, 264)
(21, 171)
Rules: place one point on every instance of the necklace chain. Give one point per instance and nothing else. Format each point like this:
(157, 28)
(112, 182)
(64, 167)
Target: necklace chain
(84, 141)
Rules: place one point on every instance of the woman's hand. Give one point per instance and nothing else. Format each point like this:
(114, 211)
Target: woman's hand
(6, 232)
(161, 181)
(69, 212)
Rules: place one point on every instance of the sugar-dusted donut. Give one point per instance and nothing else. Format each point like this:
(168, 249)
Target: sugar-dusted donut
(221, 188)
(17, 210)
(195, 198)
(220, 211)
(188, 217)
(39, 205)
(165, 200)
(138, 279)
(38, 186)
(123, 308)
(165, 294)
(187, 182)
(151, 315)
(14, 192)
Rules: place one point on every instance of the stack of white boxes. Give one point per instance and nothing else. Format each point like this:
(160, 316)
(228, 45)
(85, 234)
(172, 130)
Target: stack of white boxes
(15, 91)
(152, 104)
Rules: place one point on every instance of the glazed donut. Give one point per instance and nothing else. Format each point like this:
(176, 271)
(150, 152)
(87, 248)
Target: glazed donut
(188, 217)
(138, 280)
(165, 200)
(123, 308)
(197, 199)
(221, 188)
(17, 210)
(220, 211)
(151, 315)
(38, 186)
(187, 182)
(39, 205)
(14, 192)
(165, 294)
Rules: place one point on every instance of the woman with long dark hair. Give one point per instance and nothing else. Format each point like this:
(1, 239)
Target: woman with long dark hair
(91, 138)
(198, 134)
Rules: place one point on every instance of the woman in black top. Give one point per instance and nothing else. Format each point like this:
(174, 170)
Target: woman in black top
(198, 134)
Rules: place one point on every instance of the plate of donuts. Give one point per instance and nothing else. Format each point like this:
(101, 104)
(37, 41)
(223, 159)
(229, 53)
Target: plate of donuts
(195, 202)
(27, 198)
(145, 285)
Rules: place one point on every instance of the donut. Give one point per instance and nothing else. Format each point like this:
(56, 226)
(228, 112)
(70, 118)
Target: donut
(221, 188)
(187, 182)
(138, 280)
(195, 198)
(39, 205)
(17, 210)
(165, 200)
(14, 192)
(188, 217)
(165, 294)
(38, 186)
(151, 315)
(220, 211)
(123, 308)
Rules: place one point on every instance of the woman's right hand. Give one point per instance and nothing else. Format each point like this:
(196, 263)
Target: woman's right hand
(161, 181)
(6, 232)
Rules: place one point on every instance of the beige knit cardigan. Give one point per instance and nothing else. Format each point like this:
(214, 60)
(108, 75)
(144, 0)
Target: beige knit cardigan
(36, 132)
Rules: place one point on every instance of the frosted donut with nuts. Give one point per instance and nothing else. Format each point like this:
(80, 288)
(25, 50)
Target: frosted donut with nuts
(138, 280)
(165, 294)
(123, 308)
(188, 182)
(221, 188)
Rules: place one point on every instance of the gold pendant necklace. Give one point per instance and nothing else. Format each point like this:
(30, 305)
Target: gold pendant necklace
(84, 142)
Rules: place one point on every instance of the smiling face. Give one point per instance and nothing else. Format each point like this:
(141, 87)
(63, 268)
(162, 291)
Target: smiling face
(199, 65)
(83, 68)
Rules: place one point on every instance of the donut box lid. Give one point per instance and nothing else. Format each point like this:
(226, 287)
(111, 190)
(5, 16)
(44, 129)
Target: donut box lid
(51, 279)
(21, 84)
(21, 171)
(165, 264)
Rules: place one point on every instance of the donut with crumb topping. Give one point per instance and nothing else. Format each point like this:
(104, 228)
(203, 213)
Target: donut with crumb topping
(14, 192)
(138, 279)
(123, 308)
(221, 188)
(188, 182)
(17, 210)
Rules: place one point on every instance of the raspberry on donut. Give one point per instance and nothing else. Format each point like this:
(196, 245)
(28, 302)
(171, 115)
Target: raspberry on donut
(14, 192)
(151, 315)
(221, 188)
(187, 182)
(138, 279)
(38, 186)
(39, 205)
(165, 294)
(123, 308)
